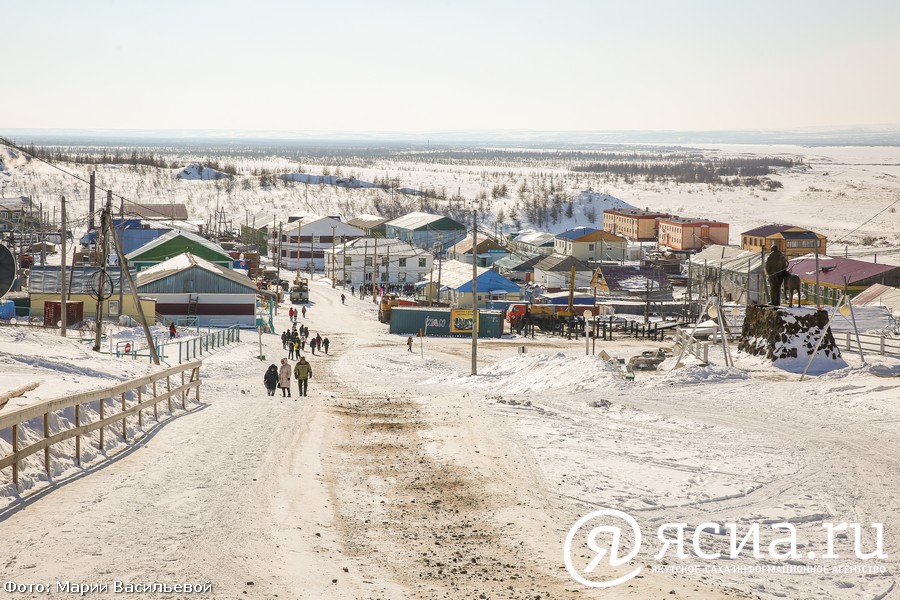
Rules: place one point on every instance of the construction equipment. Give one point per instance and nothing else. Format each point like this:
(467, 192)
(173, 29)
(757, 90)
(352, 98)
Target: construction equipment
(300, 291)
(388, 301)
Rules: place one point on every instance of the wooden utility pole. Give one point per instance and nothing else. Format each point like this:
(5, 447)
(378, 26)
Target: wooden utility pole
(362, 286)
(375, 273)
(343, 265)
(123, 264)
(333, 273)
(103, 253)
(817, 275)
(474, 291)
(62, 273)
(278, 262)
(299, 226)
(121, 236)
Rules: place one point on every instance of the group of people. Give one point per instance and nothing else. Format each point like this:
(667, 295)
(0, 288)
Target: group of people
(281, 377)
(293, 313)
(295, 340)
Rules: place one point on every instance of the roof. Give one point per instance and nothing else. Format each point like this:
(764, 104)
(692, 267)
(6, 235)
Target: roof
(177, 212)
(465, 245)
(488, 282)
(44, 279)
(788, 231)
(536, 238)
(317, 225)
(879, 295)
(421, 220)
(176, 233)
(833, 270)
(367, 221)
(561, 262)
(366, 245)
(17, 203)
(186, 261)
(728, 258)
(519, 261)
(637, 212)
(576, 233)
(691, 221)
(633, 278)
(454, 273)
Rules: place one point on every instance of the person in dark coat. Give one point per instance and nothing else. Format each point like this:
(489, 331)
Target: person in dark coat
(325, 344)
(172, 331)
(271, 379)
(303, 373)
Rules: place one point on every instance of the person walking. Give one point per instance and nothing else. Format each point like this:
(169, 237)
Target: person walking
(303, 373)
(409, 343)
(296, 345)
(318, 341)
(284, 378)
(353, 290)
(290, 350)
(343, 299)
(325, 343)
(270, 379)
(172, 331)
(312, 345)
(303, 311)
(284, 339)
(291, 314)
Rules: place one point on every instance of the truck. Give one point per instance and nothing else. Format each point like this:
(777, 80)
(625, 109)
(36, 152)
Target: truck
(300, 291)
(388, 302)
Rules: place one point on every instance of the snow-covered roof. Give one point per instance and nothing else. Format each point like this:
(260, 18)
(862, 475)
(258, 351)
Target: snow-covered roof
(536, 238)
(175, 233)
(184, 261)
(418, 220)
(321, 226)
(366, 245)
(454, 273)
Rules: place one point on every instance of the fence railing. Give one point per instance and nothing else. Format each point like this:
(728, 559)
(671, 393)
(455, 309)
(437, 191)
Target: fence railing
(45, 424)
(871, 344)
(692, 345)
(185, 349)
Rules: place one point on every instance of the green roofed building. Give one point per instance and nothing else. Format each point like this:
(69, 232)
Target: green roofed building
(174, 243)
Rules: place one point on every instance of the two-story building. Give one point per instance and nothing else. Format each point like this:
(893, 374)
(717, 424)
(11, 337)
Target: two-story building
(683, 233)
(635, 224)
(589, 244)
(791, 240)
(536, 242)
(399, 263)
(425, 230)
(301, 243)
(487, 253)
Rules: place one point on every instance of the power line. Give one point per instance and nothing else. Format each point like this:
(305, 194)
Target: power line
(867, 221)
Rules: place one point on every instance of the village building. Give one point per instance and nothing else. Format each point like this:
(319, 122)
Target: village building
(554, 272)
(538, 242)
(425, 230)
(81, 283)
(488, 252)
(19, 215)
(682, 233)
(399, 263)
(589, 244)
(455, 286)
(631, 281)
(635, 224)
(519, 266)
(188, 286)
(834, 273)
(738, 274)
(791, 240)
(316, 234)
(174, 243)
(881, 295)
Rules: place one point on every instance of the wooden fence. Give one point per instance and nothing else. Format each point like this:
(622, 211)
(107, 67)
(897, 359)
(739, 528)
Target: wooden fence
(871, 344)
(144, 395)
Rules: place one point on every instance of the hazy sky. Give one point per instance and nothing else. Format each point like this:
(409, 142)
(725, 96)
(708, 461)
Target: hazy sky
(423, 65)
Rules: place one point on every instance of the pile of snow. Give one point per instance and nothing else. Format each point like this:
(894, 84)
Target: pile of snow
(196, 171)
(600, 202)
(697, 373)
(528, 373)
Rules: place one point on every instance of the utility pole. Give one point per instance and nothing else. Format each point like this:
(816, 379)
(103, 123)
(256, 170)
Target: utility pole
(362, 287)
(121, 236)
(299, 226)
(278, 262)
(344, 264)
(101, 284)
(62, 274)
(333, 273)
(440, 263)
(375, 273)
(387, 267)
(474, 292)
(123, 264)
(91, 201)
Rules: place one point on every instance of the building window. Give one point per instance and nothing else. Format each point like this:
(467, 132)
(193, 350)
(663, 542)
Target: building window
(401, 277)
(591, 247)
(348, 261)
(384, 261)
(368, 261)
(401, 262)
(384, 277)
(422, 263)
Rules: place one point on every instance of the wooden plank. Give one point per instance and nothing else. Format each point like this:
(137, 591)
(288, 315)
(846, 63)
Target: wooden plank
(77, 437)
(47, 449)
(15, 452)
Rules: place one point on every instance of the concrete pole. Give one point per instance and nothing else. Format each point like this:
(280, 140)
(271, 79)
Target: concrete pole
(474, 291)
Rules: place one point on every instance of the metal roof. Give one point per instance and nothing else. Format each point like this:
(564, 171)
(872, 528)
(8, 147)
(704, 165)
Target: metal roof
(767, 230)
(562, 262)
(420, 220)
(488, 282)
(833, 270)
(576, 233)
(536, 238)
(177, 212)
(176, 233)
(45, 279)
(366, 245)
(185, 262)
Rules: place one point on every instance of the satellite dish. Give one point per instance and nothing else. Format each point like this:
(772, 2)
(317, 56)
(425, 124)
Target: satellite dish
(7, 269)
(712, 311)
(845, 310)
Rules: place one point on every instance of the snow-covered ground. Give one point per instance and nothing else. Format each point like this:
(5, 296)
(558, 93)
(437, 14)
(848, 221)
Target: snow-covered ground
(402, 476)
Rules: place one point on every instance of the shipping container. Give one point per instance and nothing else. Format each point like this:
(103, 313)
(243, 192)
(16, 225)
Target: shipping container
(53, 314)
(445, 322)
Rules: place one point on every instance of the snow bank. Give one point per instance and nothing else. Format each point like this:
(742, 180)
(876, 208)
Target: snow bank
(196, 171)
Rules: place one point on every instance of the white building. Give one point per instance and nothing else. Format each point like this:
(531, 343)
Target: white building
(317, 234)
(399, 263)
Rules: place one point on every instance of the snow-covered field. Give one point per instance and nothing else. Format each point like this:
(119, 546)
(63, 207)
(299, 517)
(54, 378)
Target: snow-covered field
(402, 476)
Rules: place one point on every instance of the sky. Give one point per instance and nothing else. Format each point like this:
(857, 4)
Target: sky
(488, 65)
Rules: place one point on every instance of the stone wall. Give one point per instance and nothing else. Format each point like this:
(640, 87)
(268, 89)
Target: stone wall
(783, 333)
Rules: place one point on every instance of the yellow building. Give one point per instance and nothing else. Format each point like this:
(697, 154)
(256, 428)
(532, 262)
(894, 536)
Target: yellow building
(44, 285)
(791, 240)
(635, 224)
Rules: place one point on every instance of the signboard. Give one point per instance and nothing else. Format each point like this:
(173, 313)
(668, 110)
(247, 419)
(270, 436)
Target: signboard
(461, 320)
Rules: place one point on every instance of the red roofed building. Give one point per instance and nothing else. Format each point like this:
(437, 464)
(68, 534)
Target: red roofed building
(834, 272)
(680, 233)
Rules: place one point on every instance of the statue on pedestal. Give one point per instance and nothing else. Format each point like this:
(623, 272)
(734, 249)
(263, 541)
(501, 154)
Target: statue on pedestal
(776, 269)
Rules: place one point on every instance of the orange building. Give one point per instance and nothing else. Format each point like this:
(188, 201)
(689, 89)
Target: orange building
(791, 240)
(635, 224)
(679, 233)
